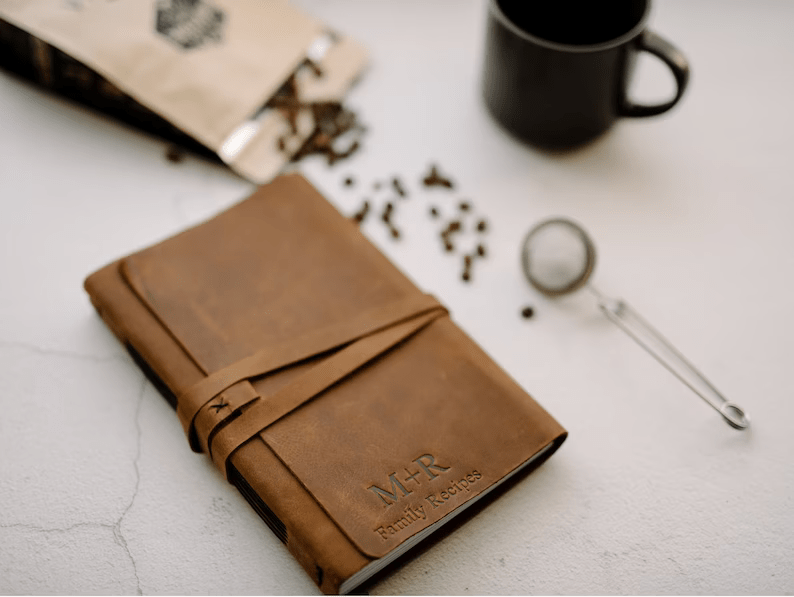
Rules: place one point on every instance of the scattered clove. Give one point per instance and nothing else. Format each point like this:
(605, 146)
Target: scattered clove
(386, 217)
(467, 262)
(436, 179)
(387, 211)
(453, 230)
(174, 153)
(398, 187)
(315, 68)
(359, 216)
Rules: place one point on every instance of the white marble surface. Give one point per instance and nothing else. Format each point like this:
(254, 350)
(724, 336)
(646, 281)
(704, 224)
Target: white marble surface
(652, 493)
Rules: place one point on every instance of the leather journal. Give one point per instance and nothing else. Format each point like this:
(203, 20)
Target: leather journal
(346, 406)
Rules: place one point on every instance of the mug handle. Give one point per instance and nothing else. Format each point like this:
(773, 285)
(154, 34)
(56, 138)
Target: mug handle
(673, 58)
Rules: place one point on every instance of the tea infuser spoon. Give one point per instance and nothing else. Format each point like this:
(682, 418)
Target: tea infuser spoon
(558, 258)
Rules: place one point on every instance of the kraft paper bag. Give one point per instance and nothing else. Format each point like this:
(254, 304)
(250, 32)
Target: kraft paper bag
(211, 68)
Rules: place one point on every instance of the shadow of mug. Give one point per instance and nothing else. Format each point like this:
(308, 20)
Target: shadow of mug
(556, 72)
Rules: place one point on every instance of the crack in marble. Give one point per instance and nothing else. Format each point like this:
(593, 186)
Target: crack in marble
(115, 528)
(69, 354)
(117, 532)
(40, 529)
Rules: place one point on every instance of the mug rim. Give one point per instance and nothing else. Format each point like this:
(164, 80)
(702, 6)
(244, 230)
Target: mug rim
(636, 30)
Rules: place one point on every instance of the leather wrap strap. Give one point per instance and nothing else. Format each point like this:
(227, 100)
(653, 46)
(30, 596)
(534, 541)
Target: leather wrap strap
(298, 349)
(368, 334)
(267, 410)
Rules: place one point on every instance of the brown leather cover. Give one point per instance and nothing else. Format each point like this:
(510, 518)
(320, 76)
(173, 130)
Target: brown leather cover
(343, 403)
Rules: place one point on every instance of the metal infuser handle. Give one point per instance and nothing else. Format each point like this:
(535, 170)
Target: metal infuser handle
(660, 348)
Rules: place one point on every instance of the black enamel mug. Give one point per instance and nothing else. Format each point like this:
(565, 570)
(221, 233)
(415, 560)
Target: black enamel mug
(556, 72)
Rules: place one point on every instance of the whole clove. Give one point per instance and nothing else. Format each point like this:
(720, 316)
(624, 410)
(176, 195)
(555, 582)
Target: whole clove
(386, 218)
(334, 156)
(398, 187)
(174, 153)
(434, 178)
(387, 211)
(452, 227)
(467, 262)
(315, 68)
(359, 216)
(287, 103)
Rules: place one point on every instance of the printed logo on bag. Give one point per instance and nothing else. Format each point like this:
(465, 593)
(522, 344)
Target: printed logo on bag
(189, 23)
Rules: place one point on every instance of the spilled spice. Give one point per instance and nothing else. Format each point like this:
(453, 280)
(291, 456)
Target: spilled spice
(527, 312)
(359, 216)
(447, 233)
(332, 121)
(468, 261)
(461, 229)
(386, 217)
(398, 187)
(174, 153)
(316, 69)
(434, 179)
(387, 211)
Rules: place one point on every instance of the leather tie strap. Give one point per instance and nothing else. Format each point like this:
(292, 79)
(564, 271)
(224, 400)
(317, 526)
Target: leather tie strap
(296, 350)
(270, 409)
